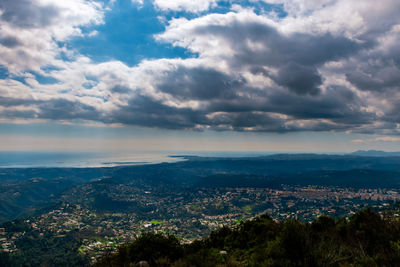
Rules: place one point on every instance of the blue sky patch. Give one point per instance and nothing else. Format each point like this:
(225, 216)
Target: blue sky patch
(128, 32)
(44, 79)
(3, 72)
(127, 36)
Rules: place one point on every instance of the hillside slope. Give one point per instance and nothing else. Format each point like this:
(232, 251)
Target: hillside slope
(363, 239)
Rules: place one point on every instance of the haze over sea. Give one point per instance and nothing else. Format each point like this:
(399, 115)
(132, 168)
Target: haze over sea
(48, 159)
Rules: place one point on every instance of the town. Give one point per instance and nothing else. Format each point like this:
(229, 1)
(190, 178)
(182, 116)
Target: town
(187, 214)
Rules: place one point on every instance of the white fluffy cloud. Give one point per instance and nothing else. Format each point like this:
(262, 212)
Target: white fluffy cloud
(185, 5)
(350, 18)
(34, 28)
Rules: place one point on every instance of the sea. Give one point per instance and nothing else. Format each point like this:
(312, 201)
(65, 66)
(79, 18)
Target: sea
(68, 159)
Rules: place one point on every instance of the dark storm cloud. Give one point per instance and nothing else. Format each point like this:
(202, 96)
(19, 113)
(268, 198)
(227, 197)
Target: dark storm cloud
(394, 54)
(63, 109)
(26, 14)
(296, 56)
(12, 114)
(242, 121)
(378, 70)
(9, 41)
(299, 79)
(199, 83)
(292, 61)
(54, 109)
(392, 114)
(363, 81)
(146, 111)
(120, 89)
(10, 101)
(338, 105)
(337, 108)
(375, 78)
(277, 49)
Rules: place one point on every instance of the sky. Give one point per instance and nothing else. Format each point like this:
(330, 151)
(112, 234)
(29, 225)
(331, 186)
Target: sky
(226, 75)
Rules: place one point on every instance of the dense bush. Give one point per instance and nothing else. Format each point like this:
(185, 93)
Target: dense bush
(364, 239)
(156, 249)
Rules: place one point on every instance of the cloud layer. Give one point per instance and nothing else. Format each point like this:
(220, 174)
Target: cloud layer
(324, 66)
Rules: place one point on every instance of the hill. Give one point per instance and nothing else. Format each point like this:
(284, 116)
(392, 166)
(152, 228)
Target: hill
(364, 239)
(25, 191)
(375, 153)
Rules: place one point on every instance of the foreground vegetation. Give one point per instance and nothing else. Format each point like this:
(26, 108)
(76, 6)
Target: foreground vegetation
(364, 239)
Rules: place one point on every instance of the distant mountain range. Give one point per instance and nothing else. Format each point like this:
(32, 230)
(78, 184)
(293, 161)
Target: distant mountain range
(375, 153)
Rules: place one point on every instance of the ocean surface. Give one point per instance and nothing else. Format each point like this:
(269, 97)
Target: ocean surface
(48, 159)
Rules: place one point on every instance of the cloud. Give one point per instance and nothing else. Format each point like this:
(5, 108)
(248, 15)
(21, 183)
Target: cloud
(63, 109)
(31, 31)
(299, 79)
(9, 41)
(138, 2)
(250, 71)
(184, 5)
(247, 38)
(28, 14)
(388, 139)
(54, 109)
(378, 69)
(358, 19)
(146, 111)
(377, 139)
(198, 83)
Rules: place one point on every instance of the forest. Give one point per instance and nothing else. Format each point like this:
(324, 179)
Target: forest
(363, 239)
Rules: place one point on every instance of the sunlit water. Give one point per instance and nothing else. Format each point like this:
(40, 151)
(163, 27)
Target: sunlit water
(25, 159)
(32, 159)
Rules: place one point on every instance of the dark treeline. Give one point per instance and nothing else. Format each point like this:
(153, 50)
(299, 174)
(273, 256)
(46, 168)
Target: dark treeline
(47, 250)
(364, 239)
